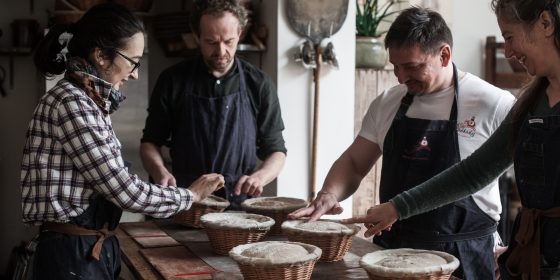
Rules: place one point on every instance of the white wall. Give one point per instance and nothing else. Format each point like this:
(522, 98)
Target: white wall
(473, 20)
(336, 107)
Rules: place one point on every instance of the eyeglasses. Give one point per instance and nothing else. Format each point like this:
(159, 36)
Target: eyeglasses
(135, 64)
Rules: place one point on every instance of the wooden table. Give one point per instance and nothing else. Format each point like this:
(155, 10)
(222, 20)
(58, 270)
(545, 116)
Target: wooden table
(197, 242)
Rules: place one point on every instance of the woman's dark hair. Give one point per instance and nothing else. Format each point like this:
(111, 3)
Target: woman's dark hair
(217, 8)
(420, 27)
(107, 26)
(526, 13)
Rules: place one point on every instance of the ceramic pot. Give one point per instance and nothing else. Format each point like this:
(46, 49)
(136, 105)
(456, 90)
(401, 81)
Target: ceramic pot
(370, 53)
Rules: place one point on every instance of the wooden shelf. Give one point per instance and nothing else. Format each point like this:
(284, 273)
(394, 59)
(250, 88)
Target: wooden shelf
(15, 51)
(510, 80)
(11, 53)
(249, 48)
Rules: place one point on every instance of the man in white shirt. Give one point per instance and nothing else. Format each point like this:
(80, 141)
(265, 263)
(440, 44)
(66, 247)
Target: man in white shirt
(437, 116)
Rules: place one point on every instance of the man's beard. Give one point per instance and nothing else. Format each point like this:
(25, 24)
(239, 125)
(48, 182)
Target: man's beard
(415, 87)
(218, 64)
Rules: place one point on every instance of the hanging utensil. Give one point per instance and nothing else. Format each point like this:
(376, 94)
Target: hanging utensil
(306, 55)
(316, 20)
(3, 92)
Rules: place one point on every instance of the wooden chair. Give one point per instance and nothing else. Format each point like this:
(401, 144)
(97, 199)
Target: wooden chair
(506, 80)
(510, 80)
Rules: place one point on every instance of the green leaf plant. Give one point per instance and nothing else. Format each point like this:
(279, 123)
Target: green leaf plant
(370, 14)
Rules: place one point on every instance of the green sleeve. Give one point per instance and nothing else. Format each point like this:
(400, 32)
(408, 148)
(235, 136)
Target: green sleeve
(462, 179)
(157, 128)
(269, 121)
(266, 106)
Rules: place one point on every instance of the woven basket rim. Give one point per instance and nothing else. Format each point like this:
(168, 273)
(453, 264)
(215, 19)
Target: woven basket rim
(368, 263)
(213, 201)
(295, 203)
(290, 226)
(314, 253)
(224, 220)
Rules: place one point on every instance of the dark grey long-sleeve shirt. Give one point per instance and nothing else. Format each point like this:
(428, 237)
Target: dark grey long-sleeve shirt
(468, 176)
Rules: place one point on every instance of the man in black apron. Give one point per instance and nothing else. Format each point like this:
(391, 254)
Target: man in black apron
(460, 228)
(218, 112)
(417, 148)
(216, 134)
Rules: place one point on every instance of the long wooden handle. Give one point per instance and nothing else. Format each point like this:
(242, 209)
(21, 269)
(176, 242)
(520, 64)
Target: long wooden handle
(317, 76)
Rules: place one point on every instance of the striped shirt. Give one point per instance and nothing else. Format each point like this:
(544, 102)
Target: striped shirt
(72, 155)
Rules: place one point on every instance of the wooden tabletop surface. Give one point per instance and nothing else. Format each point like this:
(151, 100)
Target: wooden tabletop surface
(134, 254)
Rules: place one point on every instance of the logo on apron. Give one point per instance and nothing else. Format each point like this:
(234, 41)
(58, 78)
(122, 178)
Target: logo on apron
(467, 128)
(421, 151)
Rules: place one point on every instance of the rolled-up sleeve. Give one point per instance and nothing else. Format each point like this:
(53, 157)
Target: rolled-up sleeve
(269, 121)
(157, 129)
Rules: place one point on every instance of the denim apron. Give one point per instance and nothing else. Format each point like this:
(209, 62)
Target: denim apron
(414, 151)
(537, 173)
(217, 134)
(60, 256)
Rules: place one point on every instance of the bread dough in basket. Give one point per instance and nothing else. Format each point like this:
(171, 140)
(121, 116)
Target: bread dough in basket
(405, 262)
(275, 253)
(236, 221)
(412, 260)
(273, 203)
(321, 227)
(214, 201)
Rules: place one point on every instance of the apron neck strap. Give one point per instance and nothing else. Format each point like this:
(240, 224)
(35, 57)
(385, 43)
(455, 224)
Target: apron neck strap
(406, 101)
(454, 110)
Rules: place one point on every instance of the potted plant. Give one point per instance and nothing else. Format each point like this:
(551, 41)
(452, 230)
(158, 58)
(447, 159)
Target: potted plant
(370, 51)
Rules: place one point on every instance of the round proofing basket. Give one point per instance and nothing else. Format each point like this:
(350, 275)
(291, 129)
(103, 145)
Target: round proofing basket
(334, 245)
(434, 272)
(298, 272)
(191, 217)
(259, 271)
(224, 237)
(277, 208)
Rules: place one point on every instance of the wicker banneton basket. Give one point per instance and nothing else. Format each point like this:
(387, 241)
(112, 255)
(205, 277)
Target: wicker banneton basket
(191, 217)
(227, 230)
(275, 260)
(333, 238)
(409, 264)
(277, 208)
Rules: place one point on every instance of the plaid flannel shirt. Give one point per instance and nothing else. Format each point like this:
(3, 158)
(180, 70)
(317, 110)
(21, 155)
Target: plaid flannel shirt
(72, 155)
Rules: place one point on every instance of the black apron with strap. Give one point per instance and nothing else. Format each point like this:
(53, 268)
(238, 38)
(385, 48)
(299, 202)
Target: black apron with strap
(217, 134)
(63, 256)
(537, 172)
(414, 151)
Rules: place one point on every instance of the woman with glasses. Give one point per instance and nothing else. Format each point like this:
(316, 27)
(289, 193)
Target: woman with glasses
(74, 182)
